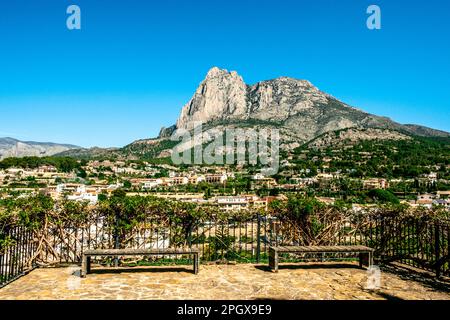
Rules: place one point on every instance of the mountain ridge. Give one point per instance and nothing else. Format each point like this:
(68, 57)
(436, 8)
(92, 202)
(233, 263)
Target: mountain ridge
(10, 147)
(301, 106)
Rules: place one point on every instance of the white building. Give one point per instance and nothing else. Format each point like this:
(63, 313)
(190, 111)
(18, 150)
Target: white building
(258, 176)
(232, 203)
(92, 198)
(152, 183)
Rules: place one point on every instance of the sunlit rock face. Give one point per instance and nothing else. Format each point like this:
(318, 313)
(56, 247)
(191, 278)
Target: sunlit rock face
(222, 95)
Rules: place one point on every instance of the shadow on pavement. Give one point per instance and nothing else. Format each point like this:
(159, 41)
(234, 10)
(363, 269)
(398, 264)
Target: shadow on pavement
(310, 266)
(112, 270)
(424, 278)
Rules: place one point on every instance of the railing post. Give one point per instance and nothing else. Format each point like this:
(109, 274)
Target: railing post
(382, 238)
(189, 237)
(258, 245)
(437, 249)
(116, 239)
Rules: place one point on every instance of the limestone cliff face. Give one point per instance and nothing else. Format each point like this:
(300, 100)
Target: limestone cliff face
(222, 95)
(283, 98)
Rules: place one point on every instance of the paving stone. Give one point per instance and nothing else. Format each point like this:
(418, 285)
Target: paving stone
(216, 282)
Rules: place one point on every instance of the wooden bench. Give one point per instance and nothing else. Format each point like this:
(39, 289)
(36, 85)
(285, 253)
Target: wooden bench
(365, 253)
(86, 262)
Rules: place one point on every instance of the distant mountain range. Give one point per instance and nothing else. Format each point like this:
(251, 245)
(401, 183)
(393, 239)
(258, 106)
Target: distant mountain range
(10, 147)
(296, 107)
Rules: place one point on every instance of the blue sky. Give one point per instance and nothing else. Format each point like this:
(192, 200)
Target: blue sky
(135, 63)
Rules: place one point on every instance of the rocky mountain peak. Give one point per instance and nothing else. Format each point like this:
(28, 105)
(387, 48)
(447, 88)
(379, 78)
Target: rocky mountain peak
(300, 109)
(222, 95)
(294, 81)
(216, 72)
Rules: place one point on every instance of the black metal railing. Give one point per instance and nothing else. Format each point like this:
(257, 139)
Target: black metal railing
(16, 258)
(416, 242)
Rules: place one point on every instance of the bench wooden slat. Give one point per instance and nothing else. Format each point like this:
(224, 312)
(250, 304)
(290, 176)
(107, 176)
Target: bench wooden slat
(105, 252)
(87, 254)
(365, 253)
(319, 249)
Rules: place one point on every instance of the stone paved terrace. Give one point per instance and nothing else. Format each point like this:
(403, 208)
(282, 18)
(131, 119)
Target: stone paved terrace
(221, 282)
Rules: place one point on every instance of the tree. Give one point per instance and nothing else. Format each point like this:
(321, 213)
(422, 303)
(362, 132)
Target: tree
(207, 193)
(383, 196)
(82, 173)
(127, 184)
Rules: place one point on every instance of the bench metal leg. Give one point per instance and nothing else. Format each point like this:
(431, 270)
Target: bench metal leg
(88, 265)
(365, 259)
(273, 260)
(84, 266)
(196, 263)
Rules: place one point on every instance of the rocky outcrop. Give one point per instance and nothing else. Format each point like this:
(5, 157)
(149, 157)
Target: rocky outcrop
(221, 96)
(283, 98)
(167, 132)
(353, 136)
